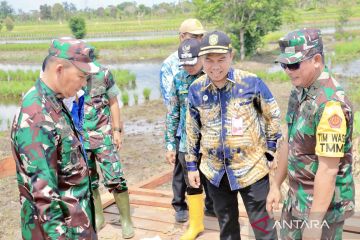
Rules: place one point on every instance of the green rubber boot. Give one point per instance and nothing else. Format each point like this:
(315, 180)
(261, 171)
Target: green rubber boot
(122, 202)
(99, 214)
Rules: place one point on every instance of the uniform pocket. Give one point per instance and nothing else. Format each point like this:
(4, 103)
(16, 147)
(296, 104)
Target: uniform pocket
(70, 154)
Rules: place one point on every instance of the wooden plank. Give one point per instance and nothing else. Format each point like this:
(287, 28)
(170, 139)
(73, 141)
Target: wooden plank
(150, 192)
(7, 167)
(352, 225)
(350, 236)
(113, 232)
(155, 181)
(107, 199)
(164, 215)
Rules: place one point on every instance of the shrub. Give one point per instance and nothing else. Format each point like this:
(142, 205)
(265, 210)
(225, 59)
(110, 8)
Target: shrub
(77, 26)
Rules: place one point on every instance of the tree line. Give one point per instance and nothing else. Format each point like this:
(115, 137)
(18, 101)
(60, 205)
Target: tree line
(246, 21)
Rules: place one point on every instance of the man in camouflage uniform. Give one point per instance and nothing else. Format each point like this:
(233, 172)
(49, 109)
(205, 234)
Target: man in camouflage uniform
(317, 155)
(102, 140)
(52, 173)
(234, 122)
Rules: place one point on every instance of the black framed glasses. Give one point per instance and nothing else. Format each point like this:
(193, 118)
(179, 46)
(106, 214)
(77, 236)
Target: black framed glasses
(293, 66)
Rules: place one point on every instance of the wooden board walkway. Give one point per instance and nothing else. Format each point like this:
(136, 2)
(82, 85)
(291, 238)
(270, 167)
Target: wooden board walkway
(154, 218)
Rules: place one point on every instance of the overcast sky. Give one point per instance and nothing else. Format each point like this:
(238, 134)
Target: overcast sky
(27, 5)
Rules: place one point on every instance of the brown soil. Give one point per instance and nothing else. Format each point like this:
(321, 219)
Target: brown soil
(142, 153)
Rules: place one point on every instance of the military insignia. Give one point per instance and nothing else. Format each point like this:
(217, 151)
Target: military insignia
(205, 98)
(335, 121)
(213, 39)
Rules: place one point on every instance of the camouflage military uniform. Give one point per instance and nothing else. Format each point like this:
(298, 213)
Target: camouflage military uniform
(319, 124)
(52, 174)
(98, 140)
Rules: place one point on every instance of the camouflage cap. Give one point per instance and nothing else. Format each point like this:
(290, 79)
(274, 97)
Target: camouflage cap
(77, 52)
(300, 44)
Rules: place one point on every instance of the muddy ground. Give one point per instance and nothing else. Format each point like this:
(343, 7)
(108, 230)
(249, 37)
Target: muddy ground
(142, 153)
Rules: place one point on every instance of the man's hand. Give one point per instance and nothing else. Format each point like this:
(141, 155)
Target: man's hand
(117, 140)
(170, 157)
(194, 179)
(273, 199)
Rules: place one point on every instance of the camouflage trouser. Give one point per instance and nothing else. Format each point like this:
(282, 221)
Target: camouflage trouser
(110, 165)
(292, 227)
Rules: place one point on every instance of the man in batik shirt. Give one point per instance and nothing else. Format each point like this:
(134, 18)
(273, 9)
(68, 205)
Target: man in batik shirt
(233, 121)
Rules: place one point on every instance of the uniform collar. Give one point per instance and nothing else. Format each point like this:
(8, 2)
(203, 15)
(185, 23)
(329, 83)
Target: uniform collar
(229, 78)
(49, 95)
(312, 90)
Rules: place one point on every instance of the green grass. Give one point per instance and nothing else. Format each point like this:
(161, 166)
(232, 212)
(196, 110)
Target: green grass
(14, 89)
(125, 98)
(124, 78)
(325, 15)
(19, 75)
(146, 93)
(158, 42)
(95, 28)
(279, 76)
(347, 50)
(273, 37)
(16, 83)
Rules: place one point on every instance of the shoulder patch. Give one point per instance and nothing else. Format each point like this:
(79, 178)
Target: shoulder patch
(331, 131)
(335, 121)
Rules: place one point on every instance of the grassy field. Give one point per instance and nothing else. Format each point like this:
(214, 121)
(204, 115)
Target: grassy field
(347, 50)
(14, 84)
(103, 28)
(319, 17)
(117, 51)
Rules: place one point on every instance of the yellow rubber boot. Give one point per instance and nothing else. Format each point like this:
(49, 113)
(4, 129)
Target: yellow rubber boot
(123, 204)
(196, 216)
(99, 214)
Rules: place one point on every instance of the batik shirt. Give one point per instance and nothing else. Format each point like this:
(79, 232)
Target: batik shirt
(97, 122)
(230, 132)
(169, 69)
(320, 123)
(52, 173)
(176, 115)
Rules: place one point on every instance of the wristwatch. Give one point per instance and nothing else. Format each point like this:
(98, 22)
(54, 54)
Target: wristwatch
(117, 129)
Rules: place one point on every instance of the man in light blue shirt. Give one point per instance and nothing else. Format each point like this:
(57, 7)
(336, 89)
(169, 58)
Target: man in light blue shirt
(189, 28)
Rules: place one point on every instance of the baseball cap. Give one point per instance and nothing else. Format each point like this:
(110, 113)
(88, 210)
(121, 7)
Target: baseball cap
(299, 44)
(192, 26)
(215, 42)
(77, 52)
(188, 52)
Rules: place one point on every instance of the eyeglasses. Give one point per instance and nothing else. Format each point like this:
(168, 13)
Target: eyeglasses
(196, 36)
(293, 66)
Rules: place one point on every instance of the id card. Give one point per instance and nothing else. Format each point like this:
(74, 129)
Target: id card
(237, 126)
